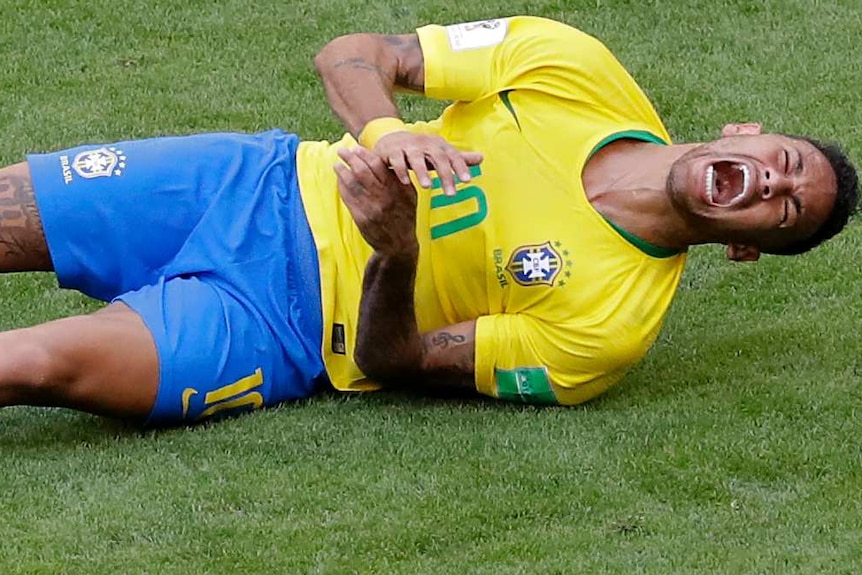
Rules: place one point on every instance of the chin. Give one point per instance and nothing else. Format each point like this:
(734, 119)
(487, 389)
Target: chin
(681, 191)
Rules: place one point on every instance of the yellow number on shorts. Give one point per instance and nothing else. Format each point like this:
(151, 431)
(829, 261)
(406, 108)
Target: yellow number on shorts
(230, 396)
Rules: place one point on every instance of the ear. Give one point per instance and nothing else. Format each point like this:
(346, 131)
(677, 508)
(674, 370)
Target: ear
(748, 129)
(738, 253)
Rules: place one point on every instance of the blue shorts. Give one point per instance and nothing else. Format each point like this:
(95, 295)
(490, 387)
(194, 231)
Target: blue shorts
(206, 238)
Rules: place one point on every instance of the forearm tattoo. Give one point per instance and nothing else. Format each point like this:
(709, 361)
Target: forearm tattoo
(444, 338)
(22, 240)
(460, 361)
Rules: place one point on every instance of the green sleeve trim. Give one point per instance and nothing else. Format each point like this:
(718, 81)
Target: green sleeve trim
(525, 385)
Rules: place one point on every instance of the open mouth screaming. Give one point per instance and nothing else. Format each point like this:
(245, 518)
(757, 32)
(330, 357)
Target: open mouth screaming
(727, 183)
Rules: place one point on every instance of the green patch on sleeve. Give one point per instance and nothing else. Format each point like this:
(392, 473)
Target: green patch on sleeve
(525, 384)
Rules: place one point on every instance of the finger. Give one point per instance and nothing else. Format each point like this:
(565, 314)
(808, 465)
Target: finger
(344, 176)
(472, 158)
(345, 154)
(342, 172)
(459, 165)
(352, 169)
(398, 163)
(375, 164)
(349, 187)
(461, 161)
(358, 161)
(365, 165)
(444, 151)
(416, 161)
(440, 160)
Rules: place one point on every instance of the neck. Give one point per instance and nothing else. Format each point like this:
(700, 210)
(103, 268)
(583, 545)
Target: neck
(626, 182)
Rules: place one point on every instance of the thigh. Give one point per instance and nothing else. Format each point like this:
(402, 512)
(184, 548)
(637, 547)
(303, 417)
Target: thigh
(218, 352)
(22, 239)
(116, 215)
(103, 363)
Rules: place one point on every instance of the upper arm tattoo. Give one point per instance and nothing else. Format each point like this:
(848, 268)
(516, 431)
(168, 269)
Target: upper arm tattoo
(22, 239)
(357, 63)
(411, 63)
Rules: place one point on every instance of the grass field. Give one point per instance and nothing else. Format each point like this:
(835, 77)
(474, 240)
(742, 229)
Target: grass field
(734, 448)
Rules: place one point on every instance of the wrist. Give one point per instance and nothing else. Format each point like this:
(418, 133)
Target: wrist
(379, 127)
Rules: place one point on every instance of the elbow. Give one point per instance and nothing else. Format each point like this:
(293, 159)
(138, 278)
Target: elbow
(383, 364)
(367, 362)
(322, 59)
(333, 51)
(374, 366)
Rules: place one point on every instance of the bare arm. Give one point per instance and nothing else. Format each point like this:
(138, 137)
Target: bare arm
(389, 346)
(361, 73)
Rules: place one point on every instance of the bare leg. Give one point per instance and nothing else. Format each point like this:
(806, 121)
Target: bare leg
(22, 240)
(104, 363)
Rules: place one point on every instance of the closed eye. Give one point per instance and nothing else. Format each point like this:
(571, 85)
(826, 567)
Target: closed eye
(786, 161)
(796, 201)
(795, 210)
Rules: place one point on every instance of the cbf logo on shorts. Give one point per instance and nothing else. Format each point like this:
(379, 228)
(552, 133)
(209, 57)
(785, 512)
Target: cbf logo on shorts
(100, 163)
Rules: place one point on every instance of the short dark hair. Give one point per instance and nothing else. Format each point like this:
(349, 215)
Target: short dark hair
(846, 199)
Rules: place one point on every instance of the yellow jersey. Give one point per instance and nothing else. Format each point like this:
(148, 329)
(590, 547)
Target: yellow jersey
(564, 301)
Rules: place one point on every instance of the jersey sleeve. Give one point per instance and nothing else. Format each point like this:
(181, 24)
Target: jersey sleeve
(519, 358)
(466, 62)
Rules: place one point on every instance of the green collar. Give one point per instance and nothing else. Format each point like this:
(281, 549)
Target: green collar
(641, 244)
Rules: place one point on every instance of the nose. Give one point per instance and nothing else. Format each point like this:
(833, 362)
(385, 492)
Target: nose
(774, 184)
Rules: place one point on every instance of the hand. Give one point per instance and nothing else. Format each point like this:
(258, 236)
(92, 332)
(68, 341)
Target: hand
(383, 208)
(404, 151)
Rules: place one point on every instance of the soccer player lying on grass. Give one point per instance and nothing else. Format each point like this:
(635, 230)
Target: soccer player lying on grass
(246, 270)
